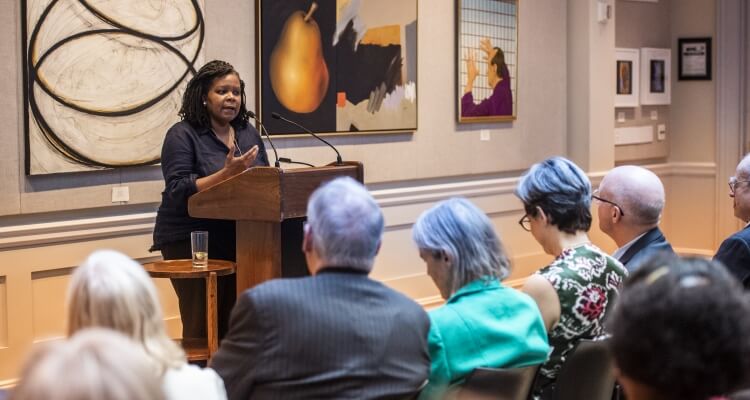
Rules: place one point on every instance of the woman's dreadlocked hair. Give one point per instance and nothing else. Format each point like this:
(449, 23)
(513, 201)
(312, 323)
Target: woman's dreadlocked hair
(193, 110)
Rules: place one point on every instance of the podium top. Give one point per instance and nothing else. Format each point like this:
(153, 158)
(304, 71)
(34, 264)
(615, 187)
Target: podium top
(267, 193)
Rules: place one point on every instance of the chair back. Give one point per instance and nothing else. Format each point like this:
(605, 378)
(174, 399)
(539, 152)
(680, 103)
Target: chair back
(498, 383)
(588, 373)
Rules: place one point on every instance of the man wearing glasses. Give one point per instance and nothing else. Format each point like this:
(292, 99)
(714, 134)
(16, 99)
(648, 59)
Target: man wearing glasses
(630, 201)
(734, 252)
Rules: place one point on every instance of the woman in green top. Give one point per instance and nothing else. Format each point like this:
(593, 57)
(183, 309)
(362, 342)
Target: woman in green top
(577, 289)
(483, 323)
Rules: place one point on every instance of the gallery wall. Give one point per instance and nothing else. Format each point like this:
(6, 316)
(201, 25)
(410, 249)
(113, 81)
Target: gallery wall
(49, 224)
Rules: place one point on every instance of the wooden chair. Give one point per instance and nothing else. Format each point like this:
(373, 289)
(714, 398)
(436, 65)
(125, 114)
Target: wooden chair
(197, 349)
(498, 383)
(588, 373)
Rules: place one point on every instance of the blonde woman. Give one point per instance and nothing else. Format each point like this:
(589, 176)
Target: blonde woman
(106, 365)
(112, 291)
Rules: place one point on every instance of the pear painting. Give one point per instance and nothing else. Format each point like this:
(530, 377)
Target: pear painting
(298, 71)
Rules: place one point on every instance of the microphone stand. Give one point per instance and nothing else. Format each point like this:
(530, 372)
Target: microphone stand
(276, 115)
(264, 131)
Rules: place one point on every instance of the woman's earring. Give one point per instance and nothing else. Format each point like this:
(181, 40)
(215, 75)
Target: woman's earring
(204, 104)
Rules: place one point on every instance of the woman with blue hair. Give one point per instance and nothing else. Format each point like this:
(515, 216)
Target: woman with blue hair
(575, 291)
(483, 323)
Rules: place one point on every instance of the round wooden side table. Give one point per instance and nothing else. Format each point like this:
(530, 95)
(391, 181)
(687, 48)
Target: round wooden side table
(197, 349)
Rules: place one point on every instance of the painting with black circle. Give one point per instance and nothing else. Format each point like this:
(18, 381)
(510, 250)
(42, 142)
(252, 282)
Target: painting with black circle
(103, 79)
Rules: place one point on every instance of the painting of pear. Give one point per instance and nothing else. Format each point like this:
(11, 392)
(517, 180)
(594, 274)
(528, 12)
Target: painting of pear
(299, 75)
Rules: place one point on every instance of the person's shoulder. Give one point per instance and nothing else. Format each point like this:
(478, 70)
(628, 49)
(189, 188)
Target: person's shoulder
(742, 234)
(181, 130)
(192, 375)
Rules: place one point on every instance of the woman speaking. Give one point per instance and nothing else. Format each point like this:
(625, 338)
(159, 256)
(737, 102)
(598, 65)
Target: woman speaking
(212, 143)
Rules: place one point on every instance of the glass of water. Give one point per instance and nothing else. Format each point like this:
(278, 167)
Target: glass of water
(199, 246)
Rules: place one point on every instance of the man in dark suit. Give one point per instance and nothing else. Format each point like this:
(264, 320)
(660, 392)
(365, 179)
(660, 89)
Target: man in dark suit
(734, 252)
(631, 200)
(334, 335)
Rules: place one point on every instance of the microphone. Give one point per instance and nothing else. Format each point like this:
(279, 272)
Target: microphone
(276, 115)
(262, 131)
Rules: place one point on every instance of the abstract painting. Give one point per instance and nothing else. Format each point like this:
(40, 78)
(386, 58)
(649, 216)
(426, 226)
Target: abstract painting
(337, 65)
(103, 79)
(627, 83)
(486, 60)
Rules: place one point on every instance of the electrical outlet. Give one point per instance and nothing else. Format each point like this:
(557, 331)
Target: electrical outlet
(654, 115)
(661, 132)
(484, 135)
(620, 116)
(120, 194)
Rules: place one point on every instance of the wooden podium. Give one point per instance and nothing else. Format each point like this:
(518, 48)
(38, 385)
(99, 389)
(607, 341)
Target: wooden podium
(268, 205)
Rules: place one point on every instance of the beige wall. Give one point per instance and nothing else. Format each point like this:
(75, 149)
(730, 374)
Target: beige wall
(51, 223)
(639, 25)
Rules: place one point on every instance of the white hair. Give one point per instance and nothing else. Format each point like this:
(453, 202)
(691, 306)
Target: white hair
(94, 364)
(346, 223)
(110, 290)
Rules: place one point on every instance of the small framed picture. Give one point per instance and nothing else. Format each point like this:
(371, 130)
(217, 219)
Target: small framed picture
(627, 72)
(655, 76)
(694, 63)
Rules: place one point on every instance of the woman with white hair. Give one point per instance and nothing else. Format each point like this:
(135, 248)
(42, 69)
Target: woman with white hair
(110, 290)
(483, 323)
(106, 365)
(575, 291)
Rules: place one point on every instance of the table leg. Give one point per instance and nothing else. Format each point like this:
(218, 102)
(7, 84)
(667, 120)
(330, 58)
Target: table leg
(212, 330)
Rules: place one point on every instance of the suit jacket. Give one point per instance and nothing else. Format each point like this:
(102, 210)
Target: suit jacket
(734, 253)
(338, 334)
(652, 242)
(483, 324)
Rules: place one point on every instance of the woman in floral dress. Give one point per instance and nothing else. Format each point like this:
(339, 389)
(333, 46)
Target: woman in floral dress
(574, 292)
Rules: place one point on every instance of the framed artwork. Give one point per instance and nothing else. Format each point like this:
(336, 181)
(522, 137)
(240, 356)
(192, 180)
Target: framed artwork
(627, 72)
(694, 63)
(337, 66)
(486, 60)
(103, 80)
(655, 76)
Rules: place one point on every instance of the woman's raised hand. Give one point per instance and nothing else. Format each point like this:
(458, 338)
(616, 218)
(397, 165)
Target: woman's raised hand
(235, 165)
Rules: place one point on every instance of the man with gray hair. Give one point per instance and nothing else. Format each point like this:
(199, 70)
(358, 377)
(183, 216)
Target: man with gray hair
(335, 334)
(631, 200)
(734, 252)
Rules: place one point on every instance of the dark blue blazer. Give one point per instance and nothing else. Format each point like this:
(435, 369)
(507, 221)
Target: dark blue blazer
(652, 242)
(336, 335)
(734, 253)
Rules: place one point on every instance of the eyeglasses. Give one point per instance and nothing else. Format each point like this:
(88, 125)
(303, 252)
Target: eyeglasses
(601, 200)
(525, 222)
(733, 182)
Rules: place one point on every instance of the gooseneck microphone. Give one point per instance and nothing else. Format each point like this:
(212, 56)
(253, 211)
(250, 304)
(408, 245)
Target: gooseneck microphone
(276, 115)
(264, 131)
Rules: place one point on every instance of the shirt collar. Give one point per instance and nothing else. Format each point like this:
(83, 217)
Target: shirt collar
(479, 285)
(342, 270)
(619, 252)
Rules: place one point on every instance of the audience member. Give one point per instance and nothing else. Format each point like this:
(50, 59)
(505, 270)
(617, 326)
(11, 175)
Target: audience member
(734, 252)
(631, 200)
(94, 364)
(483, 323)
(110, 290)
(575, 291)
(337, 333)
(680, 331)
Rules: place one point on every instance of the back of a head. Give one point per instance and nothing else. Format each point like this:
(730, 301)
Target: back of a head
(110, 290)
(94, 364)
(347, 224)
(562, 190)
(458, 228)
(639, 191)
(680, 328)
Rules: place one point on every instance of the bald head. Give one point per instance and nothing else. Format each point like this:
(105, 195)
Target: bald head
(743, 168)
(638, 191)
